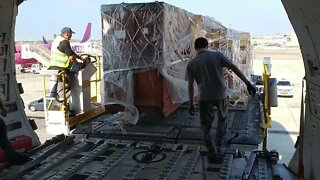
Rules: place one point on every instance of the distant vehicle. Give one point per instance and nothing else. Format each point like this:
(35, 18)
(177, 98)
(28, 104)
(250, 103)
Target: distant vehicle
(35, 68)
(285, 87)
(20, 59)
(38, 105)
(258, 82)
(259, 86)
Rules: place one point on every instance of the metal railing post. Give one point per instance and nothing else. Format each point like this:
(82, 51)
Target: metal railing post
(266, 104)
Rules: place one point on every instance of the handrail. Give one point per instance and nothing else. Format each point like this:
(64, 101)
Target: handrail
(267, 108)
(266, 103)
(64, 103)
(97, 78)
(41, 53)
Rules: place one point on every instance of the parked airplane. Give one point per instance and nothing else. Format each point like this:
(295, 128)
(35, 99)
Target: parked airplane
(82, 47)
(23, 59)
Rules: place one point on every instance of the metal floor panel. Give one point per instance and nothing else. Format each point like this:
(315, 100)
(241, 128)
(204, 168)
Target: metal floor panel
(120, 159)
(115, 159)
(243, 127)
(155, 148)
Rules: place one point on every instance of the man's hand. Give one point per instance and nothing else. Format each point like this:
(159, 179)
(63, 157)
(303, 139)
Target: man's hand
(81, 65)
(251, 89)
(191, 109)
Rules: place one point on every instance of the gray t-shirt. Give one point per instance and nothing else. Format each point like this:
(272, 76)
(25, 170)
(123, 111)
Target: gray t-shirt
(206, 68)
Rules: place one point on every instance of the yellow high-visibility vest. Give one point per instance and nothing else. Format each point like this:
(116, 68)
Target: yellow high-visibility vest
(57, 58)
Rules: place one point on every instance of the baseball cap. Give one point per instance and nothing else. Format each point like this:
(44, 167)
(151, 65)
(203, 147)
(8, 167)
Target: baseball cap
(66, 30)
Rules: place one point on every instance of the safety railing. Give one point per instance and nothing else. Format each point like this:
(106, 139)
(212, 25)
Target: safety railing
(266, 100)
(62, 101)
(40, 53)
(96, 79)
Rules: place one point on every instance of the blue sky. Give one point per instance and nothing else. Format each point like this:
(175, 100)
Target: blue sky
(37, 18)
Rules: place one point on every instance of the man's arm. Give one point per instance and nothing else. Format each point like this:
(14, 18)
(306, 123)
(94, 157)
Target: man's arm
(191, 95)
(225, 62)
(74, 60)
(236, 70)
(65, 48)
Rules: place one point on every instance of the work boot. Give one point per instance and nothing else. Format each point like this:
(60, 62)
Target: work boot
(18, 159)
(72, 113)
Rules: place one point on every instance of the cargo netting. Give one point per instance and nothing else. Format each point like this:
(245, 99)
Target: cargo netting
(145, 37)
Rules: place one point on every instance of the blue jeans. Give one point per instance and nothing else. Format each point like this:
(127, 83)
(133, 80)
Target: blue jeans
(206, 119)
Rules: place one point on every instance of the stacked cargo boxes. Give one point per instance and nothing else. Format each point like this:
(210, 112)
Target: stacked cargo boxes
(243, 59)
(146, 47)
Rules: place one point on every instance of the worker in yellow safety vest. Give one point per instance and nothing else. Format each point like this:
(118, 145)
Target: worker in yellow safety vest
(63, 58)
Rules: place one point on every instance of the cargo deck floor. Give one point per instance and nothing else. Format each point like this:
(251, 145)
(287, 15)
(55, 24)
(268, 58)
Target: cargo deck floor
(180, 127)
(155, 148)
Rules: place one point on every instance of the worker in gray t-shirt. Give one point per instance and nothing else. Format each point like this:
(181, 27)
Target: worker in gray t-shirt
(206, 68)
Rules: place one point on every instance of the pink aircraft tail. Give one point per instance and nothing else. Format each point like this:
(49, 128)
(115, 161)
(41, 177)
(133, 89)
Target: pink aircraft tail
(85, 38)
(87, 34)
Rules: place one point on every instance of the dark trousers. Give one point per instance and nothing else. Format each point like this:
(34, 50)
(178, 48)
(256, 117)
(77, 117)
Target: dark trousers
(206, 119)
(59, 85)
(67, 85)
(4, 141)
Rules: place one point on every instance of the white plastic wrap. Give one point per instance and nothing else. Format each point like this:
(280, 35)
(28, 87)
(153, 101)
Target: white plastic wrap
(147, 36)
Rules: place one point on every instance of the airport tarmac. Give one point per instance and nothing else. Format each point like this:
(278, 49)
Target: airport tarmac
(285, 117)
(33, 90)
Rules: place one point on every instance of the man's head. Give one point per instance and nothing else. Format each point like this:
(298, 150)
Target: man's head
(201, 43)
(66, 32)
